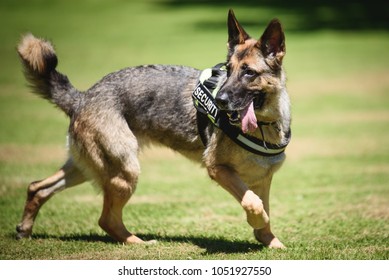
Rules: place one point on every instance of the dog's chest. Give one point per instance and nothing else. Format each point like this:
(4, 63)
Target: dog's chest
(252, 169)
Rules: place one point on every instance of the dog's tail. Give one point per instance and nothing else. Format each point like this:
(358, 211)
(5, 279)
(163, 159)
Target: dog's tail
(39, 61)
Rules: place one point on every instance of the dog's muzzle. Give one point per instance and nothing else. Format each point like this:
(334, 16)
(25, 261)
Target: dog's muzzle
(234, 115)
(222, 100)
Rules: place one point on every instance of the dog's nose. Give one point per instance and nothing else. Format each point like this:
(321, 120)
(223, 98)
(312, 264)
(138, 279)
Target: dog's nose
(222, 100)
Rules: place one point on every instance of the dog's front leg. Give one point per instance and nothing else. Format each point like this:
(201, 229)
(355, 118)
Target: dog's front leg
(265, 235)
(251, 203)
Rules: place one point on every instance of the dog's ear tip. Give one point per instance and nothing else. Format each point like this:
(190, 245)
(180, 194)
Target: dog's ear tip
(236, 33)
(275, 20)
(275, 23)
(274, 29)
(272, 42)
(231, 14)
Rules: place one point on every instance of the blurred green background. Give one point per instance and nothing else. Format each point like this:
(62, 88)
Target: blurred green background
(331, 198)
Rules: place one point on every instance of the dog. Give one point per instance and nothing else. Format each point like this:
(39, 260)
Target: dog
(115, 118)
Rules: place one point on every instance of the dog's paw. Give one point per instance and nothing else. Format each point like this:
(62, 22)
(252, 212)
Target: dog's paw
(268, 239)
(256, 214)
(21, 233)
(151, 242)
(133, 239)
(276, 244)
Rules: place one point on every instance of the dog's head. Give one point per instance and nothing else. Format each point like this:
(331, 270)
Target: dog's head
(255, 77)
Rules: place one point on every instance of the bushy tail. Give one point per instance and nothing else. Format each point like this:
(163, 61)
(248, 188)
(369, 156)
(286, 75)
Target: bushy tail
(39, 61)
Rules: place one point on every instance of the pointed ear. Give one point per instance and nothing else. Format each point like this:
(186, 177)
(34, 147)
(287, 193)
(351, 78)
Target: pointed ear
(236, 33)
(272, 42)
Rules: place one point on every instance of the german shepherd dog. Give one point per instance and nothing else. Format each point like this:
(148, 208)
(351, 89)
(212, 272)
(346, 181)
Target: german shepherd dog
(111, 121)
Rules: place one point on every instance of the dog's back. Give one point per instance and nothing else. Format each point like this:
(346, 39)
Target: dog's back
(156, 102)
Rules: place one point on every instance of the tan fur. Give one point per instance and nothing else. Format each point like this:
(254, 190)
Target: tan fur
(33, 49)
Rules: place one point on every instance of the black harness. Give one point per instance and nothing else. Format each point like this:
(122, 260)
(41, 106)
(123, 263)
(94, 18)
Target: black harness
(210, 116)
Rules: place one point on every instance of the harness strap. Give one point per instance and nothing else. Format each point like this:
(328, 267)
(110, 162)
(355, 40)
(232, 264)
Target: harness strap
(250, 143)
(203, 127)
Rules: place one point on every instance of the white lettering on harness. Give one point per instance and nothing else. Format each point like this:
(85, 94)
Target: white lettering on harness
(205, 101)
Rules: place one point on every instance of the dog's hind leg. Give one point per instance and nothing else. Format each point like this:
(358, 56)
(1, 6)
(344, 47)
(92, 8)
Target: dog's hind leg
(119, 184)
(41, 191)
(116, 194)
(118, 187)
(110, 155)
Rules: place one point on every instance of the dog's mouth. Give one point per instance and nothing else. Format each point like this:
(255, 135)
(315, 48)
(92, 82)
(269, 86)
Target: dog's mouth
(246, 116)
(234, 117)
(259, 100)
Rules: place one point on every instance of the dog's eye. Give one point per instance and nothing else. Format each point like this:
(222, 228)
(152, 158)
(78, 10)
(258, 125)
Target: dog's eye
(249, 73)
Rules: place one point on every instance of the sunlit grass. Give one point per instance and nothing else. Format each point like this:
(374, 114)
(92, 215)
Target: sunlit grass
(329, 201)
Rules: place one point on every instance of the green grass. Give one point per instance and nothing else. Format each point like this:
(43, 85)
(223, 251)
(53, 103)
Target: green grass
(329, 201)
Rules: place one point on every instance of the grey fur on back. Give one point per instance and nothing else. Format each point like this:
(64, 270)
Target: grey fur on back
(155, 100)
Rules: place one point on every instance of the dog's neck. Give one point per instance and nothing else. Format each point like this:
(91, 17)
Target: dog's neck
(274, 126)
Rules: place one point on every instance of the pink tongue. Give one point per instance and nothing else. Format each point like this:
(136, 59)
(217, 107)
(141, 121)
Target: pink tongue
(249, 121)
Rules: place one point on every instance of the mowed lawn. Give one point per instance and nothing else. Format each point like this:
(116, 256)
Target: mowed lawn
(330, 200)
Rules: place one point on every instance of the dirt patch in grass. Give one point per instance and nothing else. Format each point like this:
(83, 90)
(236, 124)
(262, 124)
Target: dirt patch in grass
(94, 198)
(152, 199)
(156, 153)
(361, 117)
(373, 207)
(301, 147)
(32, 154)
(339, 144)
(362, 83)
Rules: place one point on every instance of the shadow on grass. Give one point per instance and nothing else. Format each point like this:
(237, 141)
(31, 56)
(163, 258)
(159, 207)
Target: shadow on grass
(212, 245)
(304, 15)
(76, 237)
